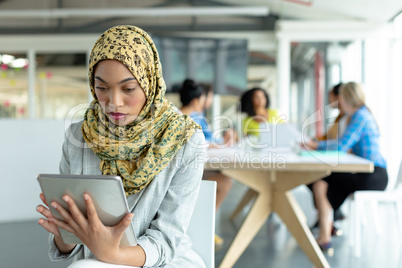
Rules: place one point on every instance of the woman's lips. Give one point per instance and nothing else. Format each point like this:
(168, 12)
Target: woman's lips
(117, 116)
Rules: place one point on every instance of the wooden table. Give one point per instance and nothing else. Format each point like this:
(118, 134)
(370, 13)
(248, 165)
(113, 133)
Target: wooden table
(270, 174)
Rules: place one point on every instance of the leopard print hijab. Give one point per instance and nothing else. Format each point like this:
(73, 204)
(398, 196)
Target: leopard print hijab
(140, 150)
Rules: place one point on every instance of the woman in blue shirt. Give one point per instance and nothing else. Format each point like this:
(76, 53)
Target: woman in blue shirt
(193, 98)
(361, 137)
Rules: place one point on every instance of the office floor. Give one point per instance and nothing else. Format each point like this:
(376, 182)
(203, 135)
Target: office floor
(24, 244)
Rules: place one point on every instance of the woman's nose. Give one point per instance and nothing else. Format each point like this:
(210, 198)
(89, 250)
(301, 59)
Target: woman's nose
(115, 99)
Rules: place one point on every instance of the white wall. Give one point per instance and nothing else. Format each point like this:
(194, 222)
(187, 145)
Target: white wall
(383, 95)
(28, 147)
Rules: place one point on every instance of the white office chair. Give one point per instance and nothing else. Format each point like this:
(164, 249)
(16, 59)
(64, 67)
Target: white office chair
(202, 224)
(358, 209)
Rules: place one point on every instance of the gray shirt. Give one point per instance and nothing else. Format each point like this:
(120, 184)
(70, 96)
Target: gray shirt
(162, 211)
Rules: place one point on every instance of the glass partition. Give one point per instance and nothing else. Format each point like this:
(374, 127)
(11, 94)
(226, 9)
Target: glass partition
(61, 85)
(13, 85)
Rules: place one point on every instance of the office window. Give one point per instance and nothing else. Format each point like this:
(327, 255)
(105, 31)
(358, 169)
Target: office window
(352, 63)
(13, 85)
(61, 85)
(220, 62)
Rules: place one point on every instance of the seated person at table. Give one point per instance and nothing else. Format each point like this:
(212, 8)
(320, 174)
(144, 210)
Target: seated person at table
(361, 137)
(341, 121)
(335, 131)
(160, 172)
(256, 104)
(195, 98)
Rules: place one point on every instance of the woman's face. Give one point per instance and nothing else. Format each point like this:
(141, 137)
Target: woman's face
(346, 107)
(333, 100)
(259, 100)
(200, 103)
(119, 93)
(208, 100)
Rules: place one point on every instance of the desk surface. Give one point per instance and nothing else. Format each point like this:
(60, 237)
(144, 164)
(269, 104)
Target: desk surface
(284, 159)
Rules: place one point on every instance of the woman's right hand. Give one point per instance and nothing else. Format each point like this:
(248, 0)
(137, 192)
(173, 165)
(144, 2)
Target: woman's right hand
(51, 227)
(46, 223)
(310, 145)
(230, 137)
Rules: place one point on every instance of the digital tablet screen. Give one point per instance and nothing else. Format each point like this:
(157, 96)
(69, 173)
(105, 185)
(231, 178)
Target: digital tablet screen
(107, 193)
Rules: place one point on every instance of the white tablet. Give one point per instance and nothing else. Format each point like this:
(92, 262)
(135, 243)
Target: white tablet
(107, 193)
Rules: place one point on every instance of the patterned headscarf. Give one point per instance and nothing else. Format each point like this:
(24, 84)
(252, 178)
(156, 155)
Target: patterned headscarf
(140, 150)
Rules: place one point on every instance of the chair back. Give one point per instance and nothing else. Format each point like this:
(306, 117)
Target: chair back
(398, 183)
(202, 225)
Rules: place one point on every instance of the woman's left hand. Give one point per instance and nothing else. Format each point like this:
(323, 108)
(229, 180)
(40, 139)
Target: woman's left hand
(310, 145)
(103, 241)
(230, 137)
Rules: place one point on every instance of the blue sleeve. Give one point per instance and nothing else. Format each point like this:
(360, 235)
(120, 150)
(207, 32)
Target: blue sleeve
(352, 135)
(201, 120)
(207, 131)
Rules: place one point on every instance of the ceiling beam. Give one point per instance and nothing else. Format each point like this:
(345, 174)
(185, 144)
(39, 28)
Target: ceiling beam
(138, 12)
(150, 28)
(99, 26)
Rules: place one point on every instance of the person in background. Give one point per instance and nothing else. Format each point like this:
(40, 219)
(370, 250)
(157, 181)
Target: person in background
(195, 98)
(361, 138)
(130, 129)
(256, 104)
(335, 131)
(341, 121)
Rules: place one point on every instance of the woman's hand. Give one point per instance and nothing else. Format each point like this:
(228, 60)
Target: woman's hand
(230, 137)
(310, 145)
(46, 223)
(103, 241)
(49, 225)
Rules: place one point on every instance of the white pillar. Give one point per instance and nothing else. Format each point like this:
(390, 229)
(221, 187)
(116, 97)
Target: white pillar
(216, 111)
(219, 82)
(283, 71)
(31, 83)
(42, 97)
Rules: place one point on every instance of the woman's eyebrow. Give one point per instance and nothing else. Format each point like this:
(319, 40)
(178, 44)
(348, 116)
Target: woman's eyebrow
(100, 79)
(127, 79)
(121, 82)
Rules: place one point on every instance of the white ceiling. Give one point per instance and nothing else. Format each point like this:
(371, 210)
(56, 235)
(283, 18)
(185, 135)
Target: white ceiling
(362, 10)
(366, 10)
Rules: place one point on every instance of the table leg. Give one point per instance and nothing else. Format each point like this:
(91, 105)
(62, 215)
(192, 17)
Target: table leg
(257, 216)
(250, 227)
(291, 214)
(248, 196)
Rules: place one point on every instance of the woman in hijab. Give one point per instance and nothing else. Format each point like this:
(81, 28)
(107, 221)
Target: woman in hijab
(131, 130)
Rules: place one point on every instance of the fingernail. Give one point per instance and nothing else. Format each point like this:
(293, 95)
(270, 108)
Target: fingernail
(130, 217)
(86, 197)
(65, 198)
(37, 208)
(54, 205)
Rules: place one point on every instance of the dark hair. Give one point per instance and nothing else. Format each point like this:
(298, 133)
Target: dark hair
(206, 87)
(336, 89)
(246, 101)
(189, 91)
